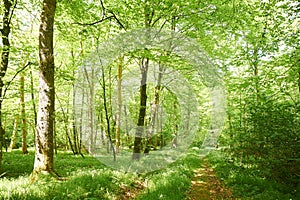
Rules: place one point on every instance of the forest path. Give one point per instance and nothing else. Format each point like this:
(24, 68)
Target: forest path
(206, 186)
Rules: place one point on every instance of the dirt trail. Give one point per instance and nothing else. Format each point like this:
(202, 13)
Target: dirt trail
(206, 186)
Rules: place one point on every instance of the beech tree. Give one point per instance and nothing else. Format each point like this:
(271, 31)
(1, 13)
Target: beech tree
(45, 118)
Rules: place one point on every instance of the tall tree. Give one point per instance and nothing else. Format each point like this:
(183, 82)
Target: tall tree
(44, 134)
(143, 91)
(5, 31)
(119, 104)
(89, 75)
(142, 111)
(23, 115)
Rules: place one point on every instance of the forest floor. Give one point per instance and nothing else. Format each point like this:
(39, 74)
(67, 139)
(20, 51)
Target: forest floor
(189, 178)
(206, 186)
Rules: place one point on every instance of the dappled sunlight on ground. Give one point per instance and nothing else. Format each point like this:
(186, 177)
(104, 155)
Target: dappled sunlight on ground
(206, 186)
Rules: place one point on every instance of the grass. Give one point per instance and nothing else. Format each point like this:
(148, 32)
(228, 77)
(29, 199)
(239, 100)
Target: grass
(89, 179)
(250, 182)
(173, 182)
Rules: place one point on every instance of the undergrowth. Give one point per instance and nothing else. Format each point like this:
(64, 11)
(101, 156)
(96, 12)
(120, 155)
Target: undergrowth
(250, 182)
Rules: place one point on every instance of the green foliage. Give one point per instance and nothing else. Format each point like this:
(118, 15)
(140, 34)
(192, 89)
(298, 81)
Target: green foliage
(22, 167)
(172, 182)
(167, 185)
(262, 145)
(85, 178)
(249, 183)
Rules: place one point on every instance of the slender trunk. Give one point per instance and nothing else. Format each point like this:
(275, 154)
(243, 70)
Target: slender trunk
(54, 138)
(44, 136)
(112, 117)
(23, 115)
(66, 120)
(14, 134)
(175, 138)
(126, 124)
(82, 106)
(90, 80)
(32, 91)
(157, 130)
(79, 141)
(102, 127)
(142, 111)
(33, 100)
(119, 104)
(5, 31)
(230, 129)
(299, 77)
(255, 73)
(75, 133)
(162, 140)
(107, 115)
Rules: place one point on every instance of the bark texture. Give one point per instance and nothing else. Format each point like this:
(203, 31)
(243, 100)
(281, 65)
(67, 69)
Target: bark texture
(45, 118)
(142, 112)
(5, 31)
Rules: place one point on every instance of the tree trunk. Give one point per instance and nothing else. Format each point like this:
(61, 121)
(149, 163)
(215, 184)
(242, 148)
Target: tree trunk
(119, 104)
(110, 143)
(33, 98)
(142, 111)
(14, 134)
(155, 107)
(75, 132)
(148, 16)
(160, 124)
(91, 93)
(299, 76)
(66, 123)
(174, 141)
(79, 136)
(23, 115)
(44, 136)
(126, 124)
(5, 31)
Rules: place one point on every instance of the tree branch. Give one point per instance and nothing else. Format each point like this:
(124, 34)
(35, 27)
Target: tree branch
(113, 15)
(103, 8)
(93, 23)
(12, 12)
(8, 83)
(118, 21)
